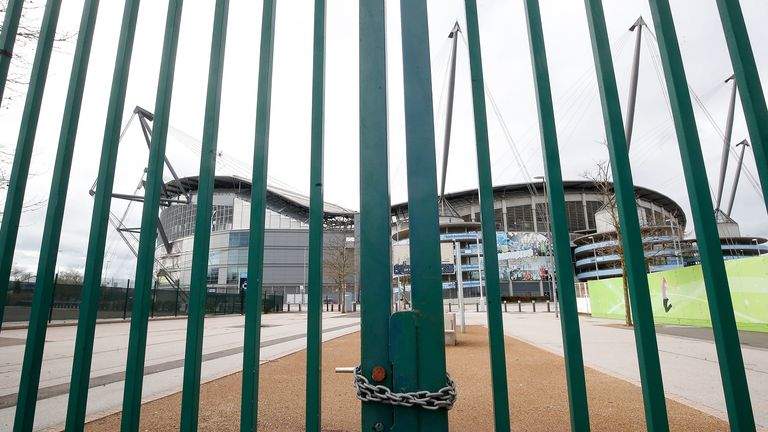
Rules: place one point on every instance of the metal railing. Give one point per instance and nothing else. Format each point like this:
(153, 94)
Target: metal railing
(398, 359)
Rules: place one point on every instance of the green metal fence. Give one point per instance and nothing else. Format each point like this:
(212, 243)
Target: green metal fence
(404, 351)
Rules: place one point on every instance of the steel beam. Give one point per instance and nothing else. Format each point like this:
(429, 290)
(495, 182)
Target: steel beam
(569, 324)
(249, 405)
(750, 89)
(731, 363)
(726, 142)
(635, 77)
(137, 341)
(632, 243)
(488, 224)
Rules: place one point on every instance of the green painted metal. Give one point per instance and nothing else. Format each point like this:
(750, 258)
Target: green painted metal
(748, 82)
(315, 254)
(426, 277)
(731, 363)
(640, 300)
(89, 303)
(193, 355)
(249, 405)
(375, 234)
(46, 269)
(569, 324)
(404, 355)
(8, 40)
(17, 184)
(488, 221)
(137, 341)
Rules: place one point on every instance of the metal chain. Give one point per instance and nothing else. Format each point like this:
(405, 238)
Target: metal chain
(443, 398)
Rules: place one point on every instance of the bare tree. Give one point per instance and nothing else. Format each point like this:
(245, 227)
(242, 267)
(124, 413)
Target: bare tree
(339, 264)
(71, 276)
(26, 41)
(20, 275)
(602, 180)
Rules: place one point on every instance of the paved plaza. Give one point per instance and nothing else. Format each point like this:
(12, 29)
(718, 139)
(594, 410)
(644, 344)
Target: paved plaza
(688, 363)
(688, 358)
(282, 334)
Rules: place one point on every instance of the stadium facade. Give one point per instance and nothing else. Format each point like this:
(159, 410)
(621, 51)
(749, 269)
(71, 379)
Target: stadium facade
(521, 220)
(285, 238)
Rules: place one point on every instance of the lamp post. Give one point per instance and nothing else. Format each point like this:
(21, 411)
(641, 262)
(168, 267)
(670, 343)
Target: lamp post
(594, 253)
(552, 288)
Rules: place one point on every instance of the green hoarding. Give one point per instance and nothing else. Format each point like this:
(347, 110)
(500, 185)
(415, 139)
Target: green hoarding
(679, 297)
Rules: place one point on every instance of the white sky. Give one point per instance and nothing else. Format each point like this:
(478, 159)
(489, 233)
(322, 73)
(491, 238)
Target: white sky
(655, 157)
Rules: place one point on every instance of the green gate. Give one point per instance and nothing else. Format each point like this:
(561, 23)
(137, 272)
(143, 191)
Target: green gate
(414, 358)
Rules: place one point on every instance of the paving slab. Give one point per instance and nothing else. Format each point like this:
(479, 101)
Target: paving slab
(689, 363)
(282, 334)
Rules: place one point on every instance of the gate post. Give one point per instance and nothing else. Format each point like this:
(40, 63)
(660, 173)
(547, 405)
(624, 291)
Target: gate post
(375, 234)
(422, 186)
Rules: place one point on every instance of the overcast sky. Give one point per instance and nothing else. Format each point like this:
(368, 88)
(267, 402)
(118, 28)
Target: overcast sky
(655, 156)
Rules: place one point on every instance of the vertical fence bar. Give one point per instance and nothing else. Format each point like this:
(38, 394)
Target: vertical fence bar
(731, 363)
(8, 40)
(748, 82)
(569, 320)
(315, 264)
(488, 221)
(640, 300)
(137, 341)
(45, 284)
(17, 184)
(53, 296)
(426, 273)
(193, 356)
(375, 234)
(125, 301)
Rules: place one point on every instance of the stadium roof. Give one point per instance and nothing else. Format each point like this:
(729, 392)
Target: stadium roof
(279, 199)
(571, 186)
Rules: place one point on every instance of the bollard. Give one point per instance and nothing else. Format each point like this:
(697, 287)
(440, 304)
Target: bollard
(449, 306)
(505, 305)
(289, 307)
(354, 307)
(533, 302)
(519, 306)
(547, 305)
(477, 307)
(299, 307)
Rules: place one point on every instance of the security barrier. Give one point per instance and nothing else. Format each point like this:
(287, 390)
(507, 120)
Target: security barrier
(404, 350)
